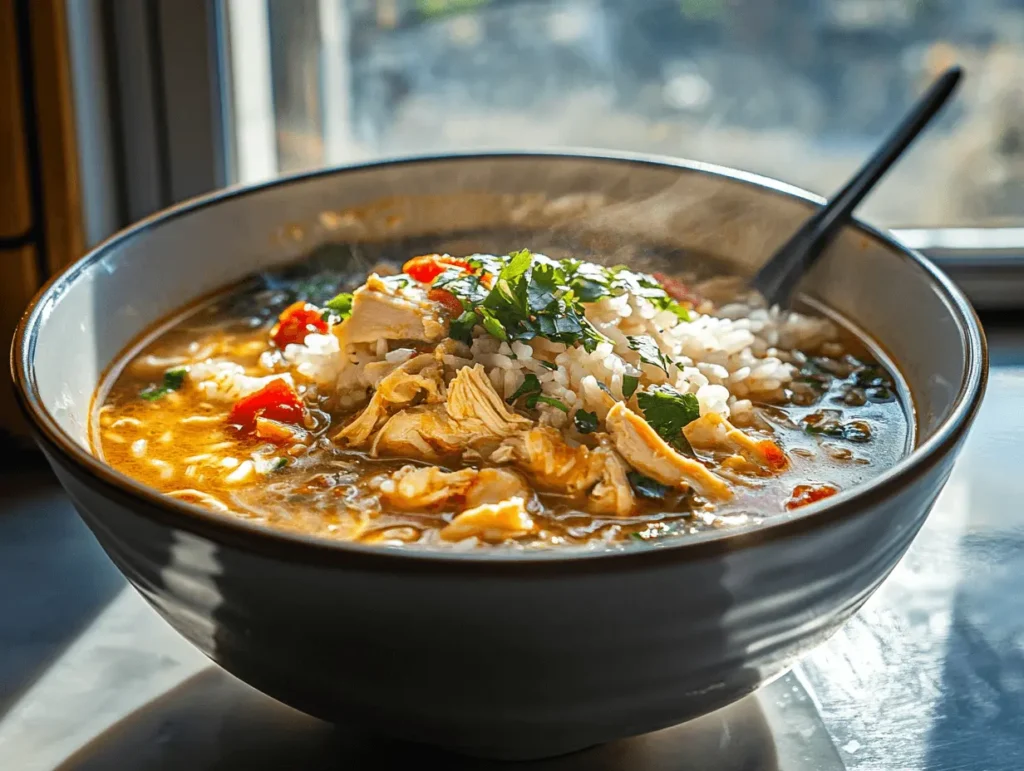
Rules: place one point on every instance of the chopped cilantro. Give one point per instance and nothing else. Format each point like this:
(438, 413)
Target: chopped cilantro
(279, 464)
(668, 412)
(340, 305)
(173, 380)
(461, 329)
(629, 385)
(532, 401)
(646, 487)
(649, 351)
(535, 296)
(666, 303)
(491, 323)
(530, 387)
(586, 422)
(548, 365)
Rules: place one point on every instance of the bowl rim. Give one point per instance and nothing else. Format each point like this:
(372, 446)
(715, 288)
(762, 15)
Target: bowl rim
(250, 536)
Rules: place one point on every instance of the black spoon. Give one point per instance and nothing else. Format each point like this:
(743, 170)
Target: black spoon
(777, 277)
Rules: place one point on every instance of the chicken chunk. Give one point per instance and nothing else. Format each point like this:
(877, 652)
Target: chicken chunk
(424, 432)
(473, 414)
(492, 522)
(649, 454)
(612, 494)
(426, 487)
(382, 312)
(472, 401)
(419, 377)
(713, 432)
(545, 456)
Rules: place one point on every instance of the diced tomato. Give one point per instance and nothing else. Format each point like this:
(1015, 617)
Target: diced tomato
(427, 267)
(773, 455)
(449, 301)
(804, 495)
(275, 401)
(676, 289)
(295, 322)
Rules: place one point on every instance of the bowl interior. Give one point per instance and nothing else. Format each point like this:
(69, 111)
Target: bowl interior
(90, 314)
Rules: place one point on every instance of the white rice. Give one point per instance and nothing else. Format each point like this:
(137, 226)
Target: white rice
(726, 358)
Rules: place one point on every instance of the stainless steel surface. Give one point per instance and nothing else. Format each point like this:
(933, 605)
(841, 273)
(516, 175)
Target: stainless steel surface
(927, 676)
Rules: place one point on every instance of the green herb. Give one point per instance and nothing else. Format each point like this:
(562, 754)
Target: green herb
(586, 422)
(629, 385)
(668, 412)
(532, 402)
(491, 323)
(646, 487)
(279, 464)
(397, 281)
(667, 303)
(173, 380)
(461, 329)
(649, 351)
(530, 387)
(340, 305)
(548, 365)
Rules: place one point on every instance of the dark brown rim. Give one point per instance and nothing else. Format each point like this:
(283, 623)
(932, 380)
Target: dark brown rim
(255, 537)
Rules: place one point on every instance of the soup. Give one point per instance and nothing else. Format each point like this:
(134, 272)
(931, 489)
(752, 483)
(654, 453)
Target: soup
(517, 401)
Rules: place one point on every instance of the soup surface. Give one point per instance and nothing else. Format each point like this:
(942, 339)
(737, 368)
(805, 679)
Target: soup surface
(517, 401)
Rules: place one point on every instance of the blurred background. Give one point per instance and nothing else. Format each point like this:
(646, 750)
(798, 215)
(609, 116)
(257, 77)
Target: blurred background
(113, 109)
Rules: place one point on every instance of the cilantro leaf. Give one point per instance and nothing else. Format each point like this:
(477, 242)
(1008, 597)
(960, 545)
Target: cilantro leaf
(461, 329)
(530, 387)
(491, 323)
(666, 303)
(172, 381)
(340, 305)
(629, 385)
(586, 422)
(649, 351)
(646, 487)
(532, 401)
(668, 412)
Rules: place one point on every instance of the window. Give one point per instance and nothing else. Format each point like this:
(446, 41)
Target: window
(799, 90)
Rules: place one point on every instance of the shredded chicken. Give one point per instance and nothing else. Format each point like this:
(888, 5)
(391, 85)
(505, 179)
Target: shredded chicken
(492, 522)
(472, 401)
(612, 494)
(649, 454)
(554, 465)
(715, 433)
(473, 414)
(425, 487)
(382, 312)
(419, 377)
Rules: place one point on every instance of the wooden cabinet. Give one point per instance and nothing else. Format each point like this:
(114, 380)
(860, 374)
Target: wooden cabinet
(40, 213)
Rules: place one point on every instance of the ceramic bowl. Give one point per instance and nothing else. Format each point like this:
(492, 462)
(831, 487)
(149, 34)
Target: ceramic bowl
(510, 656)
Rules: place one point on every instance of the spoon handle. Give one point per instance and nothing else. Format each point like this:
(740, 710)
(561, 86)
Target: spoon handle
(780, 274)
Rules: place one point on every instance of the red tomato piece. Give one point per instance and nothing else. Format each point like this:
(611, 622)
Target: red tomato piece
(804, 495)
(427, 267)
(447, 300)
(676, 289)
(275, 401)
(773, 455)
(295, 322)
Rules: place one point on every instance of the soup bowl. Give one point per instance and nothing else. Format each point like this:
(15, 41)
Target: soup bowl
(492, 653)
